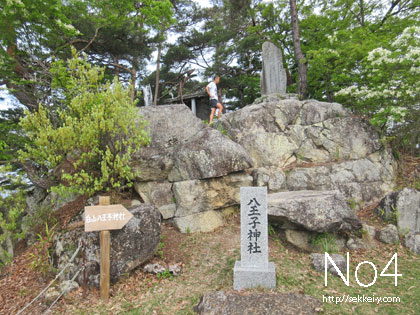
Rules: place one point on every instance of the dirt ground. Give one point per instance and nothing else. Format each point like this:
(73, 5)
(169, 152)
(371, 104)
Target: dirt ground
(208, 260)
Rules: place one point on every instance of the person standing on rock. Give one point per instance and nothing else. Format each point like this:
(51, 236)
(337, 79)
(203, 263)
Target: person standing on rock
(211, 89)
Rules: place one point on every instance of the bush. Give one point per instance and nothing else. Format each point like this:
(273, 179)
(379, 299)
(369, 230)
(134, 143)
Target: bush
(85, 142)
(12, 206)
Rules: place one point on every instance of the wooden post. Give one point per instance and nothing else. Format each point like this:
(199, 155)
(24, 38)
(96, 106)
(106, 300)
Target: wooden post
(105, 245)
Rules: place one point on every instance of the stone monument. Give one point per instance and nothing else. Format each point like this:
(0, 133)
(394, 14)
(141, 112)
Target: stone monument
(254, 269)
(147, 95)
(273, 75)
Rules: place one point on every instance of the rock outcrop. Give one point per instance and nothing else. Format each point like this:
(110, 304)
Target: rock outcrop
(184, 148)
(280, 142)
(189, 168)
(317, 211)
(314, 145)
(130, 247)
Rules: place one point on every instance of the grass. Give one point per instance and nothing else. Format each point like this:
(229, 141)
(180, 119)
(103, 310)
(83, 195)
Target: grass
(208, 266)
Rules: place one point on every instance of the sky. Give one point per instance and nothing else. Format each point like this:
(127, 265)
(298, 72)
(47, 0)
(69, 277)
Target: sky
(203, 3)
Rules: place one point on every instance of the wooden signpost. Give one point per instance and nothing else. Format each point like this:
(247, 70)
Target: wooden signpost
(103, 218)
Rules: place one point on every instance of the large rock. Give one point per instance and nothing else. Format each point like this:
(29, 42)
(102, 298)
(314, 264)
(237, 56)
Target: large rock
(273, 178)
(277, 133)
(412, 241)
(199, 222)
(130, 247)
(389, 234)
(300, 239)
(183, 148)
(234, 303)
(318, 211)
(159, 194)
(208, 154)
(318, 262)
(195, 196)
(363, 180)
(402, 207)
(321, 146)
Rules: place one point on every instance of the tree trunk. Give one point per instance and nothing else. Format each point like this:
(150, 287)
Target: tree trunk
(133, 84)
(300, 58)
(157, 72)
(362, 12)
(117, 68)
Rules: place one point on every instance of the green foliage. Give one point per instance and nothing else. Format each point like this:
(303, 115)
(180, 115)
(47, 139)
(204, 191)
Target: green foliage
(390, 91)
(85, 144)
(326, 242)
(271, 230)
(352, 203)
(159, 251)
(40, 216)
(41, 260)
(12, 206)
(11, 136)
(165, 275)
(220, 128)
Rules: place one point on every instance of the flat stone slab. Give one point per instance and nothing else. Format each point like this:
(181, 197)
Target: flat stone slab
(318, 211)
(247, 277)
(238, 303)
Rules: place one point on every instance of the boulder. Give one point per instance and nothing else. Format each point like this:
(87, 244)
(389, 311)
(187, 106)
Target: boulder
(208, 154)
(344, 151)
(309, 241)
(389, 234)
(273, 178)
(159, 194)
(300, 239)
(318, 211)
(184, 148)
(130, 247)
(401, 207)
(369, 230)
(51, 295)
(135, 202)
(318, 262)
(199, 222)
(412, 242)
(275, 133)
(358, 243)
(235, 303)
(363, 180)
(195, 196)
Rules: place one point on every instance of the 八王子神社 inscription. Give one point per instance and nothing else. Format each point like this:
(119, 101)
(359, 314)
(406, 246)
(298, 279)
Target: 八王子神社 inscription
(254, 269)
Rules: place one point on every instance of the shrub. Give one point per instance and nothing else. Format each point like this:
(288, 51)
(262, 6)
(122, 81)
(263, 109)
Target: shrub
(84, 143)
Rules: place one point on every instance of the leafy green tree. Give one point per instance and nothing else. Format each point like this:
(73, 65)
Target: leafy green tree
(86, 144)
(30, 32)
(390, 93)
